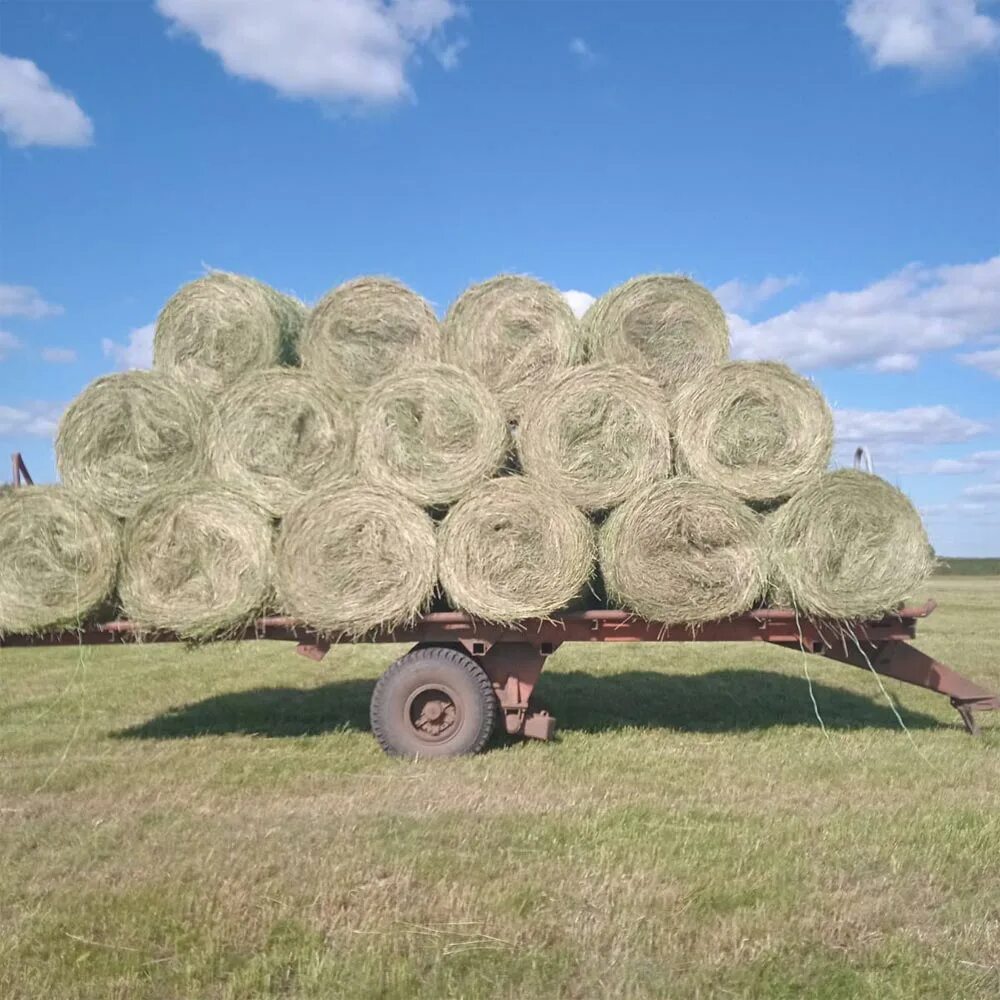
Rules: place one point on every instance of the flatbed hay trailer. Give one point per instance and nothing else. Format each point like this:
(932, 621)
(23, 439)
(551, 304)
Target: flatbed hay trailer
(445, 696)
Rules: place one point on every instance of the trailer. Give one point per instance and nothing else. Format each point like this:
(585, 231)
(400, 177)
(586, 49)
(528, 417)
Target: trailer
(463, 675)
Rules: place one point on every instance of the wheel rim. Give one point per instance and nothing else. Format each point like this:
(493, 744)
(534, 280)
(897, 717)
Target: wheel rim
(434, 713)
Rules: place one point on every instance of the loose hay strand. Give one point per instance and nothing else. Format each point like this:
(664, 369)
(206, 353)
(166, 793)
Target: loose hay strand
(367, 328)
(355, 559)
(683, 552)
(847, 546)
(754, 427)
(222, 325)
(276, 433)
(129, 434)
(514, 333)
(511, 550)
(59, 553)
(197, 561)
(430, 433)
(596, 435)
(665, 326)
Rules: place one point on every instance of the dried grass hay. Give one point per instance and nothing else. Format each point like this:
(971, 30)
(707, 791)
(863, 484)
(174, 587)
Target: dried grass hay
(850, 545)
(512, 332)
(218, 327)
(595, 435)
(684, 552)
(277, 433)
(58, 558)
(754, 427)
(367, 328)
(197, 561)
(665, 326)
(511, 550)
(431, 433)
(355, 559)
(129, 434)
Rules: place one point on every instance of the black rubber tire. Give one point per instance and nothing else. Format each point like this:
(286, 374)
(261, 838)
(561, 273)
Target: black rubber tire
(465, 683)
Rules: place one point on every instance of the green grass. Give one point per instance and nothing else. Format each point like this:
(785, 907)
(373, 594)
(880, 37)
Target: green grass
(956, 566)
(220, 824)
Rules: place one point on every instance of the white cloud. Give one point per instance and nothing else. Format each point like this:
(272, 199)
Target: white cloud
(897, 363)
(33, 419)
(987, 361)
(915, 310)
(744, 296)
(922, 34)
(59, 355)
(979, 461)
(579, 302)
(910, 427)
(33, 112)
(137, 353)
(582, 50)
(22, 300)
(331, 50)
(8, 343)
(985, 491)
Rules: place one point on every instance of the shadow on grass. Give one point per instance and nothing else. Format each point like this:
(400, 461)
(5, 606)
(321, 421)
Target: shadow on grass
(718, 701)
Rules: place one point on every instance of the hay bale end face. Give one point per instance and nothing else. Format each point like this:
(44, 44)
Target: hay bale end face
(848, 546)
(683, 552)
(277, 433)
(196, 561)
(130, 434)
(511, 550)
(754, 427)
(59, 554)
(365, 329)
(595, 435)
(430, 433)
(513, 333)
(666, 327)
(220, 326)
(354, 559)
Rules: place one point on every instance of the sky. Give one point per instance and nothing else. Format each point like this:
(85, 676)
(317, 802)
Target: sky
(830, 169)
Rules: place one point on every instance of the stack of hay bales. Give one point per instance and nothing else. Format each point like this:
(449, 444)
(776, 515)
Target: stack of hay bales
(354, 464)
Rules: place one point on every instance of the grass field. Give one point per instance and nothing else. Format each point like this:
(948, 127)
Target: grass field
(220, 824)
(958, 566)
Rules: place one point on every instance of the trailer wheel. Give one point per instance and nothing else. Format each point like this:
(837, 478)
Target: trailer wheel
(433, 702)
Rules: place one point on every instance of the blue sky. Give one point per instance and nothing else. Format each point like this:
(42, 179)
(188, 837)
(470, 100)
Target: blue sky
(831, 169)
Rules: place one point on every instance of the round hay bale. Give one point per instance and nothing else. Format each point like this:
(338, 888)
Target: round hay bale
(511, 550)
(364, 329)
(354, 559)
(849, 545)
(596, 435)
(512, 332)
(277, 433)
(196, 561)
(683, 552)
(665, 326)
(430, 433)
(754, 427)
(218, 327)
(129, 434)
(58, 558)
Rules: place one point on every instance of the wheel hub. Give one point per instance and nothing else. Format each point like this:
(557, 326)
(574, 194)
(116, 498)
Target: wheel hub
(433, 712)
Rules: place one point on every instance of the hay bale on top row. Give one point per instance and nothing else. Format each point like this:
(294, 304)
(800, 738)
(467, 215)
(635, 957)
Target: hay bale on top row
(59, 555)
(513, 333)
(666, 327)
(129, 434)
(753, 427)
(352, 559)
(277, 433)
(511, 550)
(197, 561)
(849, 545)
(430, 433)
(365, 329)
(683, 552)
(596, 435)
(220, 326)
